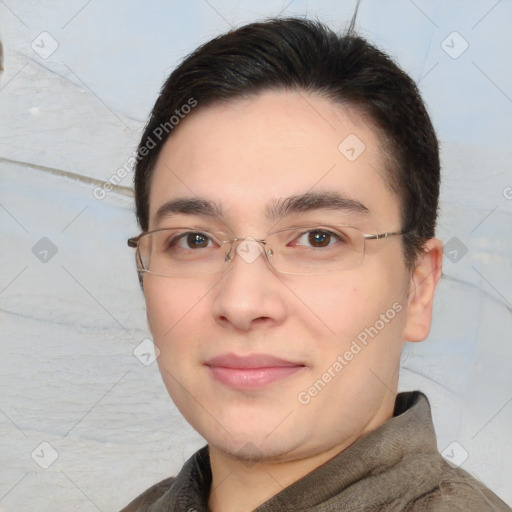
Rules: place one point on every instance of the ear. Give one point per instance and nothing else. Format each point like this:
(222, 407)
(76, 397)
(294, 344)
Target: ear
(422, 286)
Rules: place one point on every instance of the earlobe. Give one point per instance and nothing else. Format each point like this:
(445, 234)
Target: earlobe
(424, 279)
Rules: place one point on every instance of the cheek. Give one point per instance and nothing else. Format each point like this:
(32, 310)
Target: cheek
(337, 309)
(172, 305)
(176, 314)
(344, 305)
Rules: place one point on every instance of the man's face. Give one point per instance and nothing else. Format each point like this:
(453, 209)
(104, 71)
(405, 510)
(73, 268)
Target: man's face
(339, 334)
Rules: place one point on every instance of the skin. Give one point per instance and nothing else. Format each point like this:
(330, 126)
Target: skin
(242, 155)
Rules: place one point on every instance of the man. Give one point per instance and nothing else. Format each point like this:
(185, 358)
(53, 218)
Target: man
(286, 187)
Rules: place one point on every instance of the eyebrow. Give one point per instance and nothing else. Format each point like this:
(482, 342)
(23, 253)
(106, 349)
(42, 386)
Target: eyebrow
(189, 206)
(276, 209)
(303, 203)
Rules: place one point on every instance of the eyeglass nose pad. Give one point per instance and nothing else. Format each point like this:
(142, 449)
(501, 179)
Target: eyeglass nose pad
(248, 249)
(230, 254)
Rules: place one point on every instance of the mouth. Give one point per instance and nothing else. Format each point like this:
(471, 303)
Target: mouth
(251, 372)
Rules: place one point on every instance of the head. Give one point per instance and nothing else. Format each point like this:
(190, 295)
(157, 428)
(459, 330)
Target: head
(273, 125)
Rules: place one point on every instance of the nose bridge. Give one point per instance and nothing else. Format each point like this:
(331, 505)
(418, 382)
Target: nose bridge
(234, 243)
(248, 249)
(249, 292)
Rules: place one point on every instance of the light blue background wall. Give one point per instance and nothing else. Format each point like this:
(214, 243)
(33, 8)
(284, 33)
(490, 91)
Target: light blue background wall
(72, 320)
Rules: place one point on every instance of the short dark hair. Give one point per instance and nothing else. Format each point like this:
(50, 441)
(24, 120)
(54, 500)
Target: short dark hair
(305, 55)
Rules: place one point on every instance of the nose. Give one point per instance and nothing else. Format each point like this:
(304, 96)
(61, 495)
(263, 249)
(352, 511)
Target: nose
(250, 295)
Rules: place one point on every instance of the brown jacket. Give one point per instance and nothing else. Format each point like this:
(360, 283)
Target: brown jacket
(394, 468)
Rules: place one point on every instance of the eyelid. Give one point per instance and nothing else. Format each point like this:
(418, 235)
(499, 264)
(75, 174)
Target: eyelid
(306, 228)
(193, 221)
(322, 229)
(184, 229)
(202, 232)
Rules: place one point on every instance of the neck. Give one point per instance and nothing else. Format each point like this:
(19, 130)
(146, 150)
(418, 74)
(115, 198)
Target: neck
(242, 485)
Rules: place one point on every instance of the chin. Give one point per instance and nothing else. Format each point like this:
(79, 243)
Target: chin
(256, 444)
(251, 453)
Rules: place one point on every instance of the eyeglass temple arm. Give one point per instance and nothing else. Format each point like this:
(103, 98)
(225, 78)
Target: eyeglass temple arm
(134, 242)
(383, 235)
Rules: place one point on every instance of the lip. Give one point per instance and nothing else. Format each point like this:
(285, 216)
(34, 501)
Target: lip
(251, 372)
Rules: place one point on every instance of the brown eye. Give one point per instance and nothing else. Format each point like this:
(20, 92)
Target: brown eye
(189, 240)
(319, 238)
(196, 240)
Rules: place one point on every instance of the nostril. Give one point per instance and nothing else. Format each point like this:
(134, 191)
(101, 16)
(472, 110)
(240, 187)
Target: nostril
(261, 320)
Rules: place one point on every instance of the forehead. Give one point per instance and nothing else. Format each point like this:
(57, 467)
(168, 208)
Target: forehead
(247, 153)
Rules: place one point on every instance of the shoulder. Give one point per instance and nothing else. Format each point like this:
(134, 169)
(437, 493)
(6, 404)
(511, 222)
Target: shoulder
(458, 491)
(191, 484)
(145, 502)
